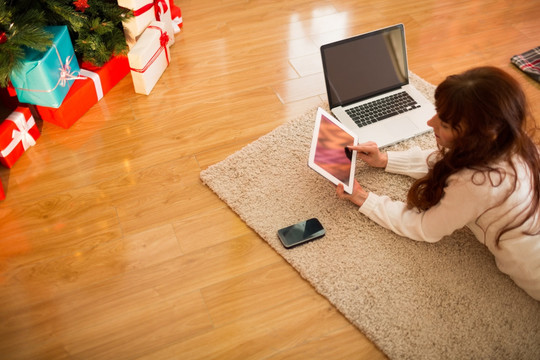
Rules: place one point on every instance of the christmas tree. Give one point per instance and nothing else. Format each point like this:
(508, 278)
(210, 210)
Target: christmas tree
(95, 27)
(19, 29)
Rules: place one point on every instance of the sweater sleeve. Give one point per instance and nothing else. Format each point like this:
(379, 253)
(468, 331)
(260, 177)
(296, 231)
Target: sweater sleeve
(461, 204)
(413, 162)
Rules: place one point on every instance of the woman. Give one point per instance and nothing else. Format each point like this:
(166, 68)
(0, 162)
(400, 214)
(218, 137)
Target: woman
(485, 175)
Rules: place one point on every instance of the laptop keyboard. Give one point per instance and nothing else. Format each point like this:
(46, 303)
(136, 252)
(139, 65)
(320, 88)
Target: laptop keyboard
(383, 108)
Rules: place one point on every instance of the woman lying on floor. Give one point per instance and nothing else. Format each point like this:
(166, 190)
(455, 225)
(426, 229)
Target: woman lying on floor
(485, 175)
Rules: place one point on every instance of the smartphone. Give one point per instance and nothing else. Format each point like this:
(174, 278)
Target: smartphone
(301, 232)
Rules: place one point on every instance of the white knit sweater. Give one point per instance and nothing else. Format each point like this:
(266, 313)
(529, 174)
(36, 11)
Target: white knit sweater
(467, 201)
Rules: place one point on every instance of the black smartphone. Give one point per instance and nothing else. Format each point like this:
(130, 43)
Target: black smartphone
(301, 232)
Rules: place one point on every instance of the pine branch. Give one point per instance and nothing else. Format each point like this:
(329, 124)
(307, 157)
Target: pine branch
(22, 29)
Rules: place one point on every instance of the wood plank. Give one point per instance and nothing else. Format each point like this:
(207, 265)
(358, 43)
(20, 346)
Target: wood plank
(111, 246)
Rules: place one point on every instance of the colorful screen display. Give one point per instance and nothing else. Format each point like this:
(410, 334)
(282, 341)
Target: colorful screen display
(330, 153)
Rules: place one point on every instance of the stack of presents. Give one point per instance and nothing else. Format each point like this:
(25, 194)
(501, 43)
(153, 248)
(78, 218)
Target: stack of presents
(53, 86)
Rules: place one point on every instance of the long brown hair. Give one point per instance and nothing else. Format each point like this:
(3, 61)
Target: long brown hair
(488, 110)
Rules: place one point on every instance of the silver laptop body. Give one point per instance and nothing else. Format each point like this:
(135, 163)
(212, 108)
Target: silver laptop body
(372, 67)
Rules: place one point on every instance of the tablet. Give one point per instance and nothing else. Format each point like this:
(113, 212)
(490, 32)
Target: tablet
(328, 155)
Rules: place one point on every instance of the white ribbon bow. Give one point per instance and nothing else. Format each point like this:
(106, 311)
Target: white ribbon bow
(20, 135)
(65, 71)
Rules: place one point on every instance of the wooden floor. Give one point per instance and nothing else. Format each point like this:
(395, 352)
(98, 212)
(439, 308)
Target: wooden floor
(112, 248)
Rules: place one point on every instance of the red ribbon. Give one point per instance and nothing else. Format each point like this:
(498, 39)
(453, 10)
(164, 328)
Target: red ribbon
(157, 8)
(163, 41)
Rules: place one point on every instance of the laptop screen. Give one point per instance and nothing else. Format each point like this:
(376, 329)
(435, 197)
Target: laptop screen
(365, 65)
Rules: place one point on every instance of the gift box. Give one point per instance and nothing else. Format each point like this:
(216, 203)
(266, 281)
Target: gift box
(17, 134)
(176, 16)
(45, 77)
(149, 58)
(145, 12)
(86, 92)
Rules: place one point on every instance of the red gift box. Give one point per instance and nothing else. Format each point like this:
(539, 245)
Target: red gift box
(17, 133)
(85, 93)
(176, 15)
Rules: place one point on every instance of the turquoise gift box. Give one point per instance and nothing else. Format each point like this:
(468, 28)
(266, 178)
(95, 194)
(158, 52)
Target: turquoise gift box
(46, 76)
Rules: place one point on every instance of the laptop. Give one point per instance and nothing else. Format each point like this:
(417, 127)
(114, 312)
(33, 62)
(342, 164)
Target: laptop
(367, 83)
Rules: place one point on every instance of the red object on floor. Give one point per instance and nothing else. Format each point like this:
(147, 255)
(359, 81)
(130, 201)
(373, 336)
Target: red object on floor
(17, 134)
(86, 93)
(176, 13)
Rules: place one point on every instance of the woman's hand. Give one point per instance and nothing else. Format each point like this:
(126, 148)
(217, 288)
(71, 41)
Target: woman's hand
(358, 196)
(370, 154)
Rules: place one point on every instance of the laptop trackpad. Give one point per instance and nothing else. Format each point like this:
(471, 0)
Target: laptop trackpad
(402, 125)
(390, 131)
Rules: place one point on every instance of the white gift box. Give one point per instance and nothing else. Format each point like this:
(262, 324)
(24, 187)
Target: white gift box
(149, 58)
(145, 13)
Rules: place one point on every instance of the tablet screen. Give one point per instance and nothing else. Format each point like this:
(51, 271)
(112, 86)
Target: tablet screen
(328, 155)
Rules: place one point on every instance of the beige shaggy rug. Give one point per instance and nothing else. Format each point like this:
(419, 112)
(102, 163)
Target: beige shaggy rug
(413, 300)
